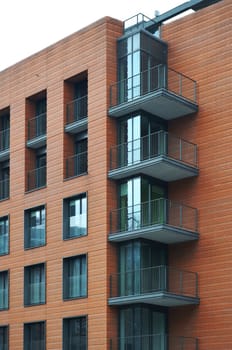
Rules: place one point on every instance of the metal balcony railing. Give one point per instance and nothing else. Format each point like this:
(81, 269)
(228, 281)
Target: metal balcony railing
(152, 280)
(37, 126)
(151, 146)
(146, 82)
(156, 212)
(36, 178)
(4, 188)
(76, 165)
(4, 140)
(76, 110)
(153, 341)
(138, 21)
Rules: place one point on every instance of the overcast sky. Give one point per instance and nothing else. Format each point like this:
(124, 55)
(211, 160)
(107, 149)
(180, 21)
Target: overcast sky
(27, 26)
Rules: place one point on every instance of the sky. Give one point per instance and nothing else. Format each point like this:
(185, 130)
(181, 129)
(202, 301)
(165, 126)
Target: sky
(28, 26)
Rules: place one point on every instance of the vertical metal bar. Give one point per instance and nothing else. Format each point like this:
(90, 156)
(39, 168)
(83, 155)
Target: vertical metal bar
(181, 282)
(196, 284)
(180, 82)
(111, 288)
(180, 148)
(181, 215)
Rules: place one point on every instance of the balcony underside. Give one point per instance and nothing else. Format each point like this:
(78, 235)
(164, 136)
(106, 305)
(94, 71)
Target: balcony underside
(77, 126)
(4, 155)
(37, 142)
(161, 167)
(156, 298)
(160, 233)
(162, 103)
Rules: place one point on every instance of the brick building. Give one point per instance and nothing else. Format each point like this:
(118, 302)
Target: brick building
(115, 176)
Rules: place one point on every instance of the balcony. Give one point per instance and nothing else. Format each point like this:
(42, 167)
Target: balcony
(36, 178)
(4, 189)
(160, 220)
(160, 285)
(160, 155)
(160, 91)
(4, 144)
(153, 341)
(37, 129)
(76, 165)
(76, 115)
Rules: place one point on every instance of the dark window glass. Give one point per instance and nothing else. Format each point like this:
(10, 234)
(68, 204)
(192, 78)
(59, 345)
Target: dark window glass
(4, 338)
(75, 333)
(142, 328)
(4, 235)
(4, 290)
(35, 230)
(34, 284)
(75, 277)
(34, 336)
(75, 217)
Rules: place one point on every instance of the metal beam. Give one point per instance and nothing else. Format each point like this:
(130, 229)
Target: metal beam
(189, 5)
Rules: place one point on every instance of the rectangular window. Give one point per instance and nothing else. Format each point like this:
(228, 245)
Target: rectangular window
(75, 217)
(4, 235)
(74, 277)
(34, 336)
(34, 284)
(4, 290)
(35, 229)
(75, 333)
(4, 338)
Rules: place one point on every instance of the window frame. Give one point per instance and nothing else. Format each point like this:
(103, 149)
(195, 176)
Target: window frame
(28, 226)
(5, 274)
(66, 274)
(42, 284)
(6, 336)
(66, 331)
(27, 334)
(4, 219)
(67, 215)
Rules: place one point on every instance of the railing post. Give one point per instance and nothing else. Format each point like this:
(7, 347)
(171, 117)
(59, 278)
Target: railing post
(180, 82)
(111, 288)
(181, 215)
(181, 282)
(180, 148)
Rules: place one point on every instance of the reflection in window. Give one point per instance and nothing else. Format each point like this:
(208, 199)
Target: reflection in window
(75, 216)
(35, 227)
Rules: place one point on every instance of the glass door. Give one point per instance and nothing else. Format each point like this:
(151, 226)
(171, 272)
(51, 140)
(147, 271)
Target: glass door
(130, 204)
(130, 269)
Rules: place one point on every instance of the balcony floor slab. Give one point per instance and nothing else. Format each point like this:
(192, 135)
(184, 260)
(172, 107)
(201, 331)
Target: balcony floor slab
(162, 103)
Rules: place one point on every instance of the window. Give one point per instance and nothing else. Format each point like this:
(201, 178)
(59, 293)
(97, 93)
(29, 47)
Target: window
(4, 290)
(4, 337)
(4, 235)
(35, 230)
(75, 217)
(34, 284)
(74, 277)
(34, 336)
(75, 333)
(4, 180)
